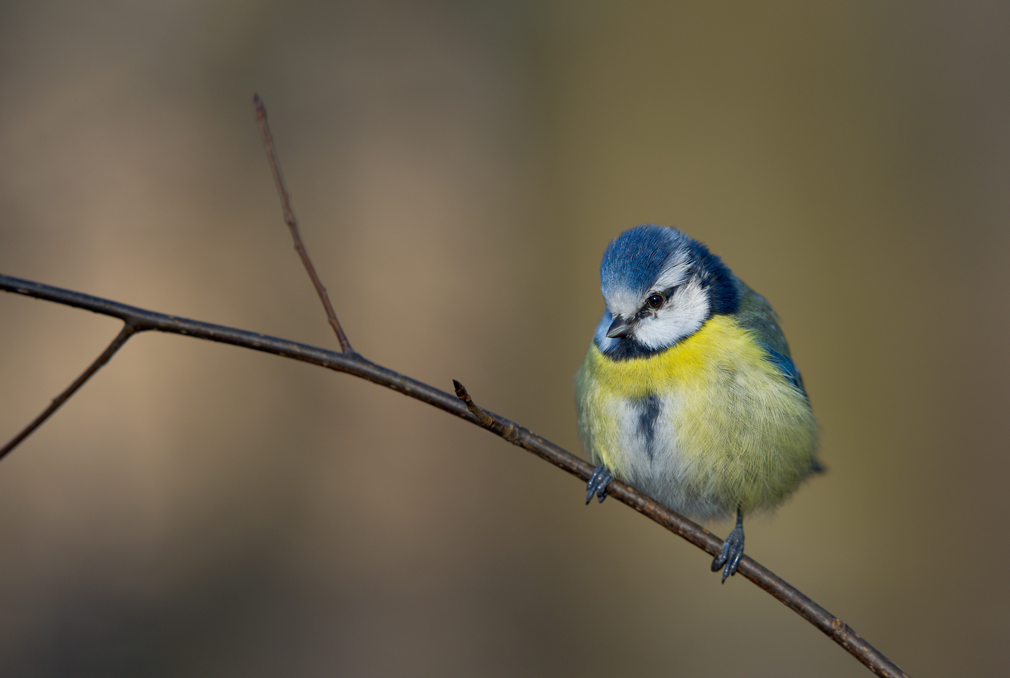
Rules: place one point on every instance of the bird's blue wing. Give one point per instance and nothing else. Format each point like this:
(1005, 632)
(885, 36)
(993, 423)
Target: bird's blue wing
(787, 367)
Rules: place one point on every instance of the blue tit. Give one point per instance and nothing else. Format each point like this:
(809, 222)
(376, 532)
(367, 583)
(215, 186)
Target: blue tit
(688, 391)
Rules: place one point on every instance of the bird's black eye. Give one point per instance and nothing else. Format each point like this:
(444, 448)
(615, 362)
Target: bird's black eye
(655, 300)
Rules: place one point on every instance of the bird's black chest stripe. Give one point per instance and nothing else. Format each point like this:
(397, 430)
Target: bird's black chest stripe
(648, 413)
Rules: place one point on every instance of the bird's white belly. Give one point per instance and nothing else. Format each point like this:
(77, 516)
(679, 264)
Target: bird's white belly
(650, 457)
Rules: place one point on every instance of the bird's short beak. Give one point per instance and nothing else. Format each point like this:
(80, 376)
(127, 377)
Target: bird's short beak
(620, 327)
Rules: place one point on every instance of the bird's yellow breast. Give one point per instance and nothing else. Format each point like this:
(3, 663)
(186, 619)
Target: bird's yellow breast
(691, 363)
(731, 429)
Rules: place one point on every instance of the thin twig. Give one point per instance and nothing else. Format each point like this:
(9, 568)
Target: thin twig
(508, 432)
(124, 334)
(463, 406)
(289, 219)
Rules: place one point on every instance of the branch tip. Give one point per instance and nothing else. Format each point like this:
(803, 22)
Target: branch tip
(261, 110)
(482, 416)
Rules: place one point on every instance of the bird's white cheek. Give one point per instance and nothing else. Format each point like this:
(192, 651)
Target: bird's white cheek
(682, 317)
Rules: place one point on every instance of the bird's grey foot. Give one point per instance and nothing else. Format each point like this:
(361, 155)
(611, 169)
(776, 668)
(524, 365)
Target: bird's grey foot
(598, 483)
(732, 550)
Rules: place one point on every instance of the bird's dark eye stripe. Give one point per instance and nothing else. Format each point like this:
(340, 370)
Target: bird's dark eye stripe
(656, 299)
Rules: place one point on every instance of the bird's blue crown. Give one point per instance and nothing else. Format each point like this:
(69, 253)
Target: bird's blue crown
(637, 258)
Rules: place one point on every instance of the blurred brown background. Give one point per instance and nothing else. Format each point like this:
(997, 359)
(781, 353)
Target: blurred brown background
(458, 169)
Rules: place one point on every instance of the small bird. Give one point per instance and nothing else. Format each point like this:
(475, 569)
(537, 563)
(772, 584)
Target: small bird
(688, 391)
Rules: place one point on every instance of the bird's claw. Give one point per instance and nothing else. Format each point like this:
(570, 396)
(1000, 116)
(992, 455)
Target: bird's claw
(732, 551)
(598, 483)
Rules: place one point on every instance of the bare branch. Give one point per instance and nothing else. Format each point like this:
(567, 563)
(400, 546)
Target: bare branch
(143, 320)
(289, 219)
(462, 406)
(100, 361)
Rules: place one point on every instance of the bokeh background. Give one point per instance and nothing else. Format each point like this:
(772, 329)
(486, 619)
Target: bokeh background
(458, 169)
